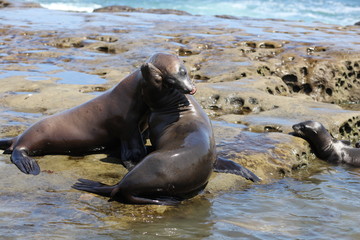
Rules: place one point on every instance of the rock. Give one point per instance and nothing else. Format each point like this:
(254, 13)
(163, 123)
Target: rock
(19, 4)
(227, 17)
(119, 8)
(116, 8)
(4, 3)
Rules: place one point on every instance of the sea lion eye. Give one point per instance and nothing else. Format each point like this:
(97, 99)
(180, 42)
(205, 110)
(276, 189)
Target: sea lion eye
(182, 71)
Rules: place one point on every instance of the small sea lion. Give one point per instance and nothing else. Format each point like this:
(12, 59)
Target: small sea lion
(181, 134)
(325, 146)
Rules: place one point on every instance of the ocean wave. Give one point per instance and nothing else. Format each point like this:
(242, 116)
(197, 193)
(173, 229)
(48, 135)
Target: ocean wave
(342, 12)
(71, 7)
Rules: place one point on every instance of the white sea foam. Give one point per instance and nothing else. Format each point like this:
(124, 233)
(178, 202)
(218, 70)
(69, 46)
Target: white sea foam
(71, 7)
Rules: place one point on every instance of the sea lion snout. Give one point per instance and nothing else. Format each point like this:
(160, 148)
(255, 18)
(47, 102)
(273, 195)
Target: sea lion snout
(297, 127)
(184, 83)
(307, 126)
(185, 86)
(193, 91)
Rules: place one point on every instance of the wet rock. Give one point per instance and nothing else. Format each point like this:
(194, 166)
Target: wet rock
(118, 8)
(115, 8)
(19, 4)
(186, 52)
(166, 11)
(227, 17)
(349, 130)
(4, 4)
(68, 42)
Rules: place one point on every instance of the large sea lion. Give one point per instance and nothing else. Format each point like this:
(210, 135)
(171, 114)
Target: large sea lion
(181, 134)
(325, 146)
(107, 122)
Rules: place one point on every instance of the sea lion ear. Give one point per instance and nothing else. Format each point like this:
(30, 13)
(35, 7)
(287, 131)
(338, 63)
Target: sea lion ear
(151, 73)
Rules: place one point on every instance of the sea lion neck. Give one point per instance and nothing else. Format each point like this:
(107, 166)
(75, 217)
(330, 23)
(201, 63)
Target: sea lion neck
(323, 145)
(130, 85)
(166, 99)
(324, 150)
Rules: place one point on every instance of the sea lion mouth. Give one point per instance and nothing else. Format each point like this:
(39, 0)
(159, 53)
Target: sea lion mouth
(297, 134)
(193, 91)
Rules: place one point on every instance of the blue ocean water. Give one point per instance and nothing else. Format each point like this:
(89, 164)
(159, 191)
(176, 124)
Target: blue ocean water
(342, 12)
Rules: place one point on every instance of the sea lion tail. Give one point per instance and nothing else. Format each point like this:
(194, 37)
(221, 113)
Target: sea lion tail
(26, 164)
(223, 165)
(93, 187)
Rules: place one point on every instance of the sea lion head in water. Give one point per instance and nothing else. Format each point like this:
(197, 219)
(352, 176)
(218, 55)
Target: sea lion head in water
(313, 132)
(168, 71)
(325, 146)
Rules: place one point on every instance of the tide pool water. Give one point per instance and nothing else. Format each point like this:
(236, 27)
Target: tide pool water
(343, 12)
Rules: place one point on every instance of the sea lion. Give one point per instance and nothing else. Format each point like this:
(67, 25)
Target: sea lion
(181, 135)
(325, 146)
(107, 122)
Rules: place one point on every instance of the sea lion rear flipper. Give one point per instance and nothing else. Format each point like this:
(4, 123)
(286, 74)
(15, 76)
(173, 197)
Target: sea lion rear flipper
(223, 165)
(26, 164)
(93, 187)
(346, 142)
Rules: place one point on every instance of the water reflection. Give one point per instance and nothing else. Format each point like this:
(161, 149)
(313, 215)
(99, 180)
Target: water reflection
(45, 71)
(190, 220)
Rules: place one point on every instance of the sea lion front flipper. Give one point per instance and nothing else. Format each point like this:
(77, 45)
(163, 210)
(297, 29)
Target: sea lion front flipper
(5, 143)
(93, 187)
(25, 163)
(223, 165)
(132, 151)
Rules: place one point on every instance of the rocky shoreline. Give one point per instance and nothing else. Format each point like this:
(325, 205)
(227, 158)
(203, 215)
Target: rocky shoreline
(255, 78)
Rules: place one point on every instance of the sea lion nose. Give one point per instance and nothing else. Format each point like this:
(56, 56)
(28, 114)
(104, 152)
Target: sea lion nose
(193, 91)
(296, 127)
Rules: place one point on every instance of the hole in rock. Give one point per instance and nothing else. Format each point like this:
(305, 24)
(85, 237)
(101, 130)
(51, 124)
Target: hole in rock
(289, 78)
